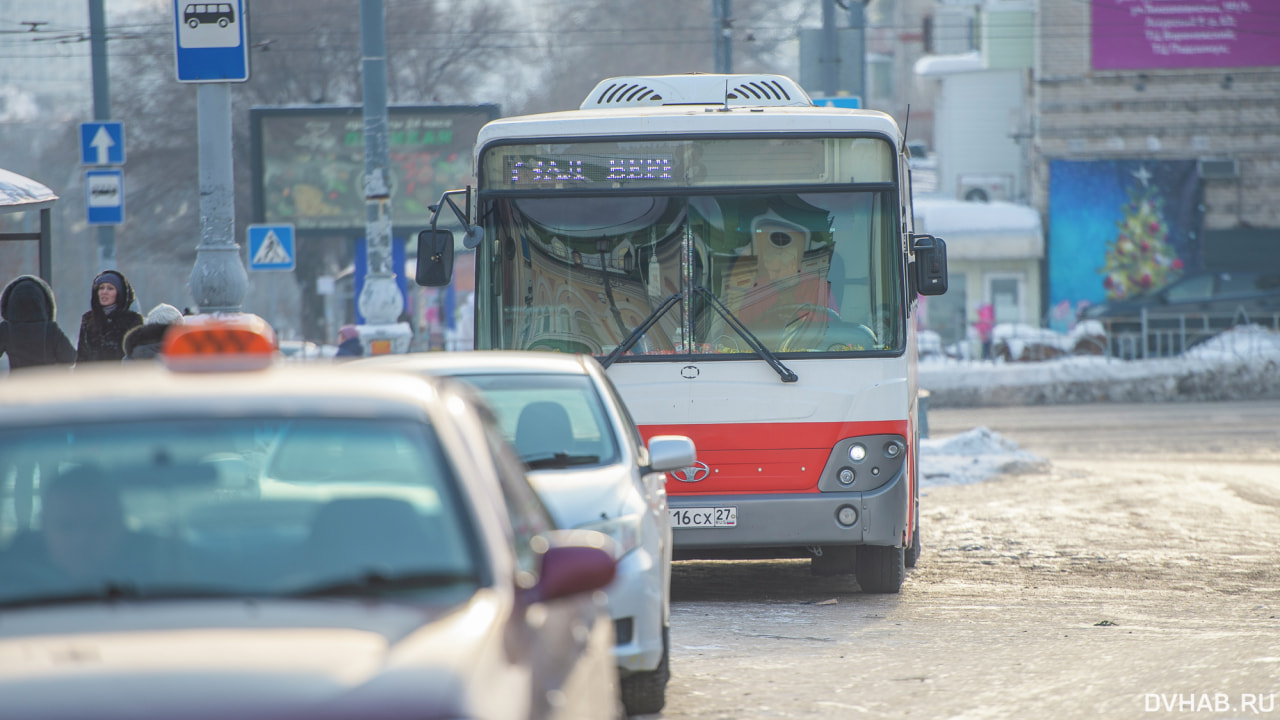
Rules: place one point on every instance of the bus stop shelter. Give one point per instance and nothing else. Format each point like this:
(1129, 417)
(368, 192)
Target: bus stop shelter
(22, 194)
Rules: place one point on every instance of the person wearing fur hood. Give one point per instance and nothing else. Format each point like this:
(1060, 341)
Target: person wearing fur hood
(102, 329)
(28, 333)
(144, 342)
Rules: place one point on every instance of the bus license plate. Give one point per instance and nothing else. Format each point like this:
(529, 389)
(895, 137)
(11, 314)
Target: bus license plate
(704, 517)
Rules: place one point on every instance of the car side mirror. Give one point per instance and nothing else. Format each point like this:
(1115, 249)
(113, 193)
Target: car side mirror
(435, 258)
(671, 452)
(930, 265)
(573, 562)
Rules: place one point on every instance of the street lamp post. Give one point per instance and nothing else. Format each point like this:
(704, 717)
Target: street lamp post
(380, 300)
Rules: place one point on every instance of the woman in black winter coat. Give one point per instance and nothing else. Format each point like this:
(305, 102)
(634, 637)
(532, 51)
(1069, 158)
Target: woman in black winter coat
(102, 329)
(28, 332)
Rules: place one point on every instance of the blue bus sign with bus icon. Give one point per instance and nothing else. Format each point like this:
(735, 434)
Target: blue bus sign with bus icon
(210, 40)
(196, 14)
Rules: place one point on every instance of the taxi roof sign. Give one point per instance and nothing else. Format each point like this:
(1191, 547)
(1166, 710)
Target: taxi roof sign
(232, 341)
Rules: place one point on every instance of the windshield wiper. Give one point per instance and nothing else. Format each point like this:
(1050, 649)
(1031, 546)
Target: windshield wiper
(374, 582)
(641, 329)
(783, 371)
(732, 320)
(113, 591)
(560, 461)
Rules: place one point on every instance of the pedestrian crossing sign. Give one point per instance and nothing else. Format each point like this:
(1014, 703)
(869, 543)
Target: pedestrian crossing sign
(271, 247)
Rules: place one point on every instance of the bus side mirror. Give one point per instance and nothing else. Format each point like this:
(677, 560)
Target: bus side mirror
(435, 258)
(930, 264)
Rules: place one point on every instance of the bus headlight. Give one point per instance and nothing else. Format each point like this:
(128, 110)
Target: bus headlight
(846, 476)
(857, 452)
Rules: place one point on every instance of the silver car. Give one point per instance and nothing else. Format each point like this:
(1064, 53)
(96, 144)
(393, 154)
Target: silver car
(592, 469)
(232, 536)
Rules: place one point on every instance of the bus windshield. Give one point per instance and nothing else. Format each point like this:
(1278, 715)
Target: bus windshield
(812, 272)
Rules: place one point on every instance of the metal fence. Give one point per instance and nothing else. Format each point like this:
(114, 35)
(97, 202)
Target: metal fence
(1165, 335)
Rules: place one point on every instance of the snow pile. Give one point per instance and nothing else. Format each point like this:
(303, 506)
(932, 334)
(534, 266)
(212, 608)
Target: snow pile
(1022, 341)
(972, 456)
(1240, 364)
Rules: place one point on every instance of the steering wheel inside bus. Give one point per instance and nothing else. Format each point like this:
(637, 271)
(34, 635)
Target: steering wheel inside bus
(805, 327)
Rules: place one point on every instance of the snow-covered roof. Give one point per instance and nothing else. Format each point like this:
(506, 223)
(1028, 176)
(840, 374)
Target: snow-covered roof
(981, 230)
(948, 64)
(19, 193)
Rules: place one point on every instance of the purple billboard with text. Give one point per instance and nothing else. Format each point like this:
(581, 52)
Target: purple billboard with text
(1173, 34)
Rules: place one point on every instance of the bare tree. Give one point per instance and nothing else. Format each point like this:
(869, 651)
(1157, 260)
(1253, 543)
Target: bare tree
(436, 52)
(590, 41)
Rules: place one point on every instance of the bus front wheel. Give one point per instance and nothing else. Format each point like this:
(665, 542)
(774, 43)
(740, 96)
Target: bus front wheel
(880, 569)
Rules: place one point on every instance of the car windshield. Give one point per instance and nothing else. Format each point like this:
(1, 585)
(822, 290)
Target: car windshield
(554, 421)
(230, 507)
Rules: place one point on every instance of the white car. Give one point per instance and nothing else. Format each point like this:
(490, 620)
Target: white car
(592, 470)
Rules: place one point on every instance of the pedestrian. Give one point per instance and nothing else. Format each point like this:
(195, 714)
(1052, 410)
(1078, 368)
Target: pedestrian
(985, 326)
(102, 329)
(28, 333)
(349, 342)
(145, 341)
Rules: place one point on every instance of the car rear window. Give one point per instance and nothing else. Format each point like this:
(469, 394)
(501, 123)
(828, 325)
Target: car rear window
(545, 414)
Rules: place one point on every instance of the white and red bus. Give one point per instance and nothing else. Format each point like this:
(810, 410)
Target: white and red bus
(744, 264)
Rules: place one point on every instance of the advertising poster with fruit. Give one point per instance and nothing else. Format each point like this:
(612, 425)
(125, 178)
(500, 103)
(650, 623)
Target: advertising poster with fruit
(1121, 228)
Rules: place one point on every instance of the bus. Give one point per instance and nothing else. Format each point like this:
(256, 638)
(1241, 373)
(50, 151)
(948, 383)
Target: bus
(745, 265)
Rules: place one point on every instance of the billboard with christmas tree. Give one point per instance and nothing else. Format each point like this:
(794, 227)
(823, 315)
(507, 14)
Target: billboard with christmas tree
(1120, 228)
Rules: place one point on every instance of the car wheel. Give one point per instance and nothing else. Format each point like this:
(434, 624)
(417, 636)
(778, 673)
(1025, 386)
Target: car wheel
(880, 568)
(912, 553)
(644, 693)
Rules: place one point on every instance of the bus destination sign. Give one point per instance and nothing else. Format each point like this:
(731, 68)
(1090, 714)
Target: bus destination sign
(581, 169)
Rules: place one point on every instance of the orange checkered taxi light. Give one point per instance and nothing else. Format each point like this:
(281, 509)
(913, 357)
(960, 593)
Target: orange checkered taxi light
(220, 342)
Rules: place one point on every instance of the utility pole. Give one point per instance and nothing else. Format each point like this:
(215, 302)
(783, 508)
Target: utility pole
(829, 60)
(858, 21)
(722, 9)
(101, 111)
(380, 301)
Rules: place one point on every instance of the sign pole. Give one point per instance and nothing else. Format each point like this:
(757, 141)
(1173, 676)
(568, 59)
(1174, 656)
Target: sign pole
(210, 49)
(218, 279)
(101, 111)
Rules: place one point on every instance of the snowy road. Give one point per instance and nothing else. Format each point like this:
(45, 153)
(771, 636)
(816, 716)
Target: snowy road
(1132, 575)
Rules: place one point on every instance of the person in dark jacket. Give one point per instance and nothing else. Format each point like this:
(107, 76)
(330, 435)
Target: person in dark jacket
(28, 333)
(349, 342)
(102, 329)
(144, 342)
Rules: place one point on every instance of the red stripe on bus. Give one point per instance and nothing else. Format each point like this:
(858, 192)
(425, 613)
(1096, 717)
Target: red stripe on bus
(765, 457)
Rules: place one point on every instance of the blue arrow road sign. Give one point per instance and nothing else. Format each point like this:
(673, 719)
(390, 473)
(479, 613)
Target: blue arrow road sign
(271, 247)
(104, 196)
(101, 143)
(210, 39)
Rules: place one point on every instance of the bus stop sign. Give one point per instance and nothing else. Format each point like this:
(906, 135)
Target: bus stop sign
(210, 38)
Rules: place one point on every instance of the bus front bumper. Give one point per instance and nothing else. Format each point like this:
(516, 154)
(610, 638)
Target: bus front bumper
(797, 520)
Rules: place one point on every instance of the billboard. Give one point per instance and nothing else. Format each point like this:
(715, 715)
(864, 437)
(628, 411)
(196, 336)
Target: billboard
(1119, 228)
(309, 163)
(1173, 34)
